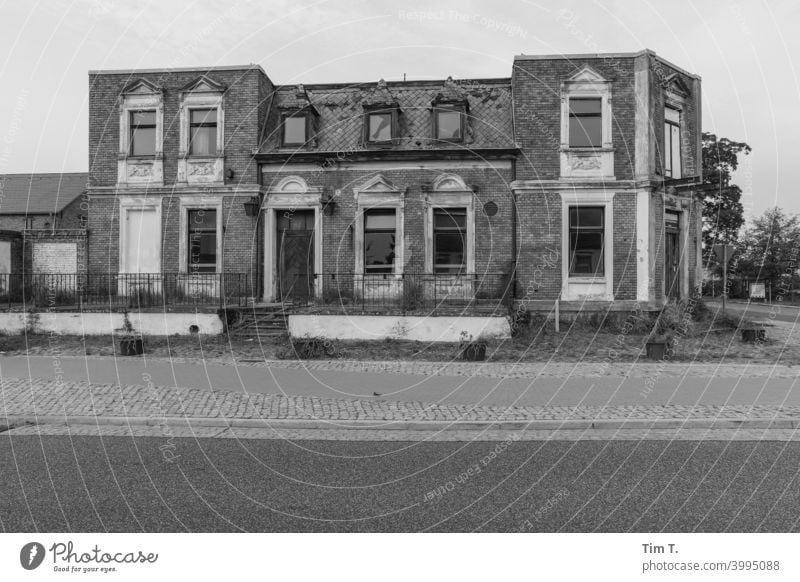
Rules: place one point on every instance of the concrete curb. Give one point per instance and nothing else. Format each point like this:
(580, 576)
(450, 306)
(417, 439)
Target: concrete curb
(411, 425)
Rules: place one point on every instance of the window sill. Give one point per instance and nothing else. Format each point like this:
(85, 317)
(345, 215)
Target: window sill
(586, 279)
(587, 149)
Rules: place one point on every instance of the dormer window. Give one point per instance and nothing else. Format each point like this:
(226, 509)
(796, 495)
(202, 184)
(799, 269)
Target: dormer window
(203, 132)
(295, 130)
(143, 133)
(380, 127)
(450, 124)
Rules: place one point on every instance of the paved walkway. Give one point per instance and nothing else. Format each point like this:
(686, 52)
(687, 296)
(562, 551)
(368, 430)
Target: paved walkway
(50, 402)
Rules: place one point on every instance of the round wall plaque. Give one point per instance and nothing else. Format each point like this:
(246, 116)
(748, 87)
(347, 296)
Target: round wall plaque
(490, 208)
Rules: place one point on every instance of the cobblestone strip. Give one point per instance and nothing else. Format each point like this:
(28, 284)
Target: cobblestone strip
(411, 435)
(23, 398)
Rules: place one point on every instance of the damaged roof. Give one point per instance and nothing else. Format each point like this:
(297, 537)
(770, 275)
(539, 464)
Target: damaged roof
(339, 110)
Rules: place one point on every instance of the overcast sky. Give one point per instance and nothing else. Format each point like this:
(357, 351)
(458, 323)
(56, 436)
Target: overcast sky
(746, 53)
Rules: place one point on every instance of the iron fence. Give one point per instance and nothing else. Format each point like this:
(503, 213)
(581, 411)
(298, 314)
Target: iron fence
(125, 290)
(407, 292)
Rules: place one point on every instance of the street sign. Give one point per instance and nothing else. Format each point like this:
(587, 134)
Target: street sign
(724, 252)
(758, 291)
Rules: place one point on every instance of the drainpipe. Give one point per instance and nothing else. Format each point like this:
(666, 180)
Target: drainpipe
(513, 278)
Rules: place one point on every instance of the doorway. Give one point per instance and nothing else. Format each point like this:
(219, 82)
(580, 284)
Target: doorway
(672, 255)
(295, 255)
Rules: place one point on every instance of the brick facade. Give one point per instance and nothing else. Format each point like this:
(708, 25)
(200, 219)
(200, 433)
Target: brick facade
(513, 152)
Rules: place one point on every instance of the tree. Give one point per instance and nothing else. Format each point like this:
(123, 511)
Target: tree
(770, 248)
(723, 214)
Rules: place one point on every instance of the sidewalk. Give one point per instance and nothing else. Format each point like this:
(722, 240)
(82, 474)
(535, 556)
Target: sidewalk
(79, 403)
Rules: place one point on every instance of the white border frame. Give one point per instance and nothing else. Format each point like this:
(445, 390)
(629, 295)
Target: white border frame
(198, 203)
(126, 204)
(445, 196)
(283, 198)
(587, 83)
(570, 286)
(214, 166)
(379, 193)
(153, 167)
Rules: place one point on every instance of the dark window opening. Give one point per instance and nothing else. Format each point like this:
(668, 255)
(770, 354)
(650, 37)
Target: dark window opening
(586, 240)
(203, 132)
(379, 127)
(143, 133)
(585, 122)
(672, 143)
(449, 125)
(294, 130)
(380, 227)
(449, 240)
(202, 256)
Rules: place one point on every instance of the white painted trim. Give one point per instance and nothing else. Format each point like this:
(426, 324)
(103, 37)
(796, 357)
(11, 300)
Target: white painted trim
(289, 203)
(643, 281)
(450, 199)
(126, 204)
(144, 171)
(377, 192)
(591, 163)
(198, 203)
(569, 284)
(215, 164)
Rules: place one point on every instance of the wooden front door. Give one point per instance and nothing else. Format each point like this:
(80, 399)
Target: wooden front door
(672, 256)
(295, 244)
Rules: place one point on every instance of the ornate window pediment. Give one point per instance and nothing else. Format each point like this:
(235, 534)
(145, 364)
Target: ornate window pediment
(142, 87)
(449, 183)
(673, 84)
(203, 84)
(377, 184)
(587, 74)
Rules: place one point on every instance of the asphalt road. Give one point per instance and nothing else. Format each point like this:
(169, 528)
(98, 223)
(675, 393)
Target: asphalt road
(570, 390)
(122, 484)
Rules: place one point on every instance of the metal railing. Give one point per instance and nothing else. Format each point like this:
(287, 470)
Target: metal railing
(407, 292)
(124, 290)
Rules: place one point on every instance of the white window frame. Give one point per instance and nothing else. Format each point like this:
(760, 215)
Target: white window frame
(141, 96)
(379, 193)
(587, 162)
(590, 288)
(290, 194)
(675, 105)
(195, 169)
(450, 191)
(188, 203)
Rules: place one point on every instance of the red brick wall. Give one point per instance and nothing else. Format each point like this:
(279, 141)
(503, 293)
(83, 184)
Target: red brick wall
(244, 103)
(537, 111)
(493, 235)
(539, 245)
(624, 238)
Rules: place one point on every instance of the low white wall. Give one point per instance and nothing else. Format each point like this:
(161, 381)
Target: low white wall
(12, 323)
(65, 323)
(367, 327)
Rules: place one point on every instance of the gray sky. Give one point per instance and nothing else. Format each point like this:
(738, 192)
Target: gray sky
(745, 51)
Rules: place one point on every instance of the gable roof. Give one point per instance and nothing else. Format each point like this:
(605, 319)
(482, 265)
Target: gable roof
(39, 193)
